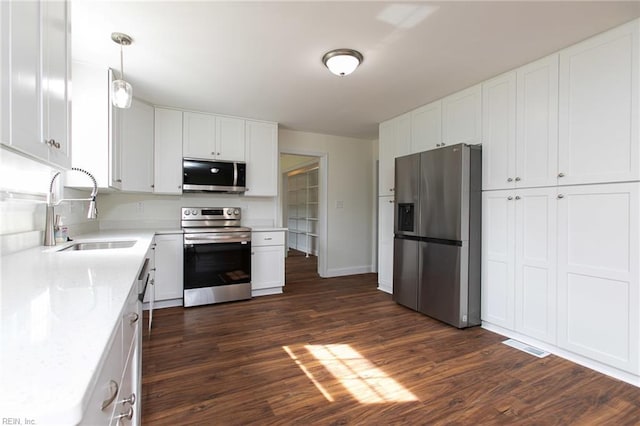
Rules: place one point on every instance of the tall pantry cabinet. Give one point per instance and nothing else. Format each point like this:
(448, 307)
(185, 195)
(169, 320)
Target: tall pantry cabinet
(561, 203)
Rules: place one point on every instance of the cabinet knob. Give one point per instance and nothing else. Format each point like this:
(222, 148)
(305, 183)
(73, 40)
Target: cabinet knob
(213, 153)
(509, 179)
(560, 174)
(518, 179)
(130, 400)
(442, 144)
(391, 201)
(509, 198)
(391, 189)
(517, 197)
(179, 186)
(153, 186)
(119, 180)
(437, 145)
(126, 415)
(560, 195)
(52, 143)
(133, 317)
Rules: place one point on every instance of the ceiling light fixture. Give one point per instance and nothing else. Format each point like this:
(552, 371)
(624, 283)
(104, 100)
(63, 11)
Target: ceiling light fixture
(342, 61)
(121, 91)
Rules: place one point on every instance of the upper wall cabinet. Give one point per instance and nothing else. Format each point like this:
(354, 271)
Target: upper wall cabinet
(598, 127)
(394, 141)
(261, 146)
(167, 152)
(520, 127)
(136, 162)
(426, 127)
(211, 137)
(35, 82)
(462, 116)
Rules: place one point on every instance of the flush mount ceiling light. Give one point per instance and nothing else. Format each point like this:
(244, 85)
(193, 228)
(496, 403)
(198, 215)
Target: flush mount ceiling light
(342, 61)
(121, 91)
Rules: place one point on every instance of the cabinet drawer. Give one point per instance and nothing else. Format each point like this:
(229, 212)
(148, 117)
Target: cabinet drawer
(269, 238)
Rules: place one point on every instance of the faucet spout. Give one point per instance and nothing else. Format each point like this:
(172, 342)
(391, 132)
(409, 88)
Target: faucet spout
(49, 234)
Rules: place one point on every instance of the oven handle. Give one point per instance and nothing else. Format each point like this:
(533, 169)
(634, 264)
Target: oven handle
(217, 239)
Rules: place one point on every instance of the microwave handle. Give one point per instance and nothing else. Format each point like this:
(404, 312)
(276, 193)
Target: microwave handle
(235, 174)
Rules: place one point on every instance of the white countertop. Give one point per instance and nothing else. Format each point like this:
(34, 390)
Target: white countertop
(58, 311)
(265, 229)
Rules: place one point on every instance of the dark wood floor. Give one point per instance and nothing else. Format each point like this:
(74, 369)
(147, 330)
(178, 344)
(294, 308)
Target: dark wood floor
(337, 351)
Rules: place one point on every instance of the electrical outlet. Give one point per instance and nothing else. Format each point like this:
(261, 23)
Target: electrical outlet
(140, 207)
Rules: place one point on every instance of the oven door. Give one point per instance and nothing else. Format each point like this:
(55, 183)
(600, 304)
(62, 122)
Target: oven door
(216, 272)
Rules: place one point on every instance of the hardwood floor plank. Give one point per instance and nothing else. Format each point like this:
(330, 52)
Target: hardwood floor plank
(338, 351)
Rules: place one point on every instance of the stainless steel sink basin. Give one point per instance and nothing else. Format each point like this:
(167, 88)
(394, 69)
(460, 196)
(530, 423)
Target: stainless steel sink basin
(99, 245)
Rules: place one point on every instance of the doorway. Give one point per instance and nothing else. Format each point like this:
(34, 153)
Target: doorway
(303, 206)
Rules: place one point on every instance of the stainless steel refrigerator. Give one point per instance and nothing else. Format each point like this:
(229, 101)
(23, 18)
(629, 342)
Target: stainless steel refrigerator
(436, 264)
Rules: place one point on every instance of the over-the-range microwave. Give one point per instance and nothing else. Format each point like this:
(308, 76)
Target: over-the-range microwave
(200, 175)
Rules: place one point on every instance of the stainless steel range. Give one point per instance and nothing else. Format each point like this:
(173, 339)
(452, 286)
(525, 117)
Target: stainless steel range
(217, 255)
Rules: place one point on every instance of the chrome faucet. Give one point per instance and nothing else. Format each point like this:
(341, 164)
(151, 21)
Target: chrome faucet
(49, 237)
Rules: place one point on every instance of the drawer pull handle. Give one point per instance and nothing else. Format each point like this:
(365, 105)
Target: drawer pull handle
(113, 389)
(268, 238)
(133, 317)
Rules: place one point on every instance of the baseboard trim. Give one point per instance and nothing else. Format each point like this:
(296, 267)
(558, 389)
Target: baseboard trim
(385, 289)
(341, 272)
(159, 304)
(570, 356)
(266, 291)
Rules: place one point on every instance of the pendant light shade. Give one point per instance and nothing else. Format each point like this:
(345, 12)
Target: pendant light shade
(121, 90)
(342, 62)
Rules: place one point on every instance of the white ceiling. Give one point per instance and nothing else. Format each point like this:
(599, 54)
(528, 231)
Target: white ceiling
(262, 60)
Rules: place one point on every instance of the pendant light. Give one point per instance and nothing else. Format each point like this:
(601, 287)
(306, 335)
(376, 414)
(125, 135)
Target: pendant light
(121, 91)
(342, 62)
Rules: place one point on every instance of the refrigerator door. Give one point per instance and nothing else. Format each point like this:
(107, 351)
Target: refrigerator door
(405, 272)
(444, 193)
(407, 181)
(443, 290)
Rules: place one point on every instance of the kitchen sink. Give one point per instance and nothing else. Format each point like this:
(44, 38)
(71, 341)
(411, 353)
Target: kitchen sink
(98, 245)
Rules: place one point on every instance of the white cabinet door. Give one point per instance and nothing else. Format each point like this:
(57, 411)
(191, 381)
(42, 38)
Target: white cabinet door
(168, 261)
(56, 66)
(167, 152)
(230, 142)
(386, 207)
(267, 267)
(498, 258)
(426, 127)
(598, 273)
(402, 140)
(462, 117)
(599, 108)
(537, 123)
(115, 138)
(386, 157)
(199, 136)
(136, 158)
(499, 132)
(262, 159)
(535, 263)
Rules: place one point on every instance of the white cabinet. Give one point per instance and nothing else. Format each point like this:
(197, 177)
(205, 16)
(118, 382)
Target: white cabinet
(386, 208)
(261, 147)
(499, 132)
(520, 127)
(116, 394)
(36, 80)
(169, 255)
(462, 117)
(519, 261)
(267, 262)
(394, 141)
(136, 148)
(167, 152)
(213, 137)
(426, 127)
(598, 297)
(598, 128)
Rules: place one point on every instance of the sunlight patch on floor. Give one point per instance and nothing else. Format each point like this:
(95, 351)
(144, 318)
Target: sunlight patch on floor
(359, 376)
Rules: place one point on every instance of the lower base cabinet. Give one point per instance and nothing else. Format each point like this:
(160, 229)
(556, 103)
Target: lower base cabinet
(169, 254)
(386, 208)
(116, 396)
(560, 266)
(267, 262)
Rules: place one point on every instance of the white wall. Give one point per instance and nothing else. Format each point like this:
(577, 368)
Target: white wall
(349, 181)
(24, 184)
(129, 211)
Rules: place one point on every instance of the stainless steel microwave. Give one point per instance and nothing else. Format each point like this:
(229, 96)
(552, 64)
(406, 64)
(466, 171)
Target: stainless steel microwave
(201, 175)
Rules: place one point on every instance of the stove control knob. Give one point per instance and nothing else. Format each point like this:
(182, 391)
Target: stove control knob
(187, 212)
(194, 212)
(236, 211)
